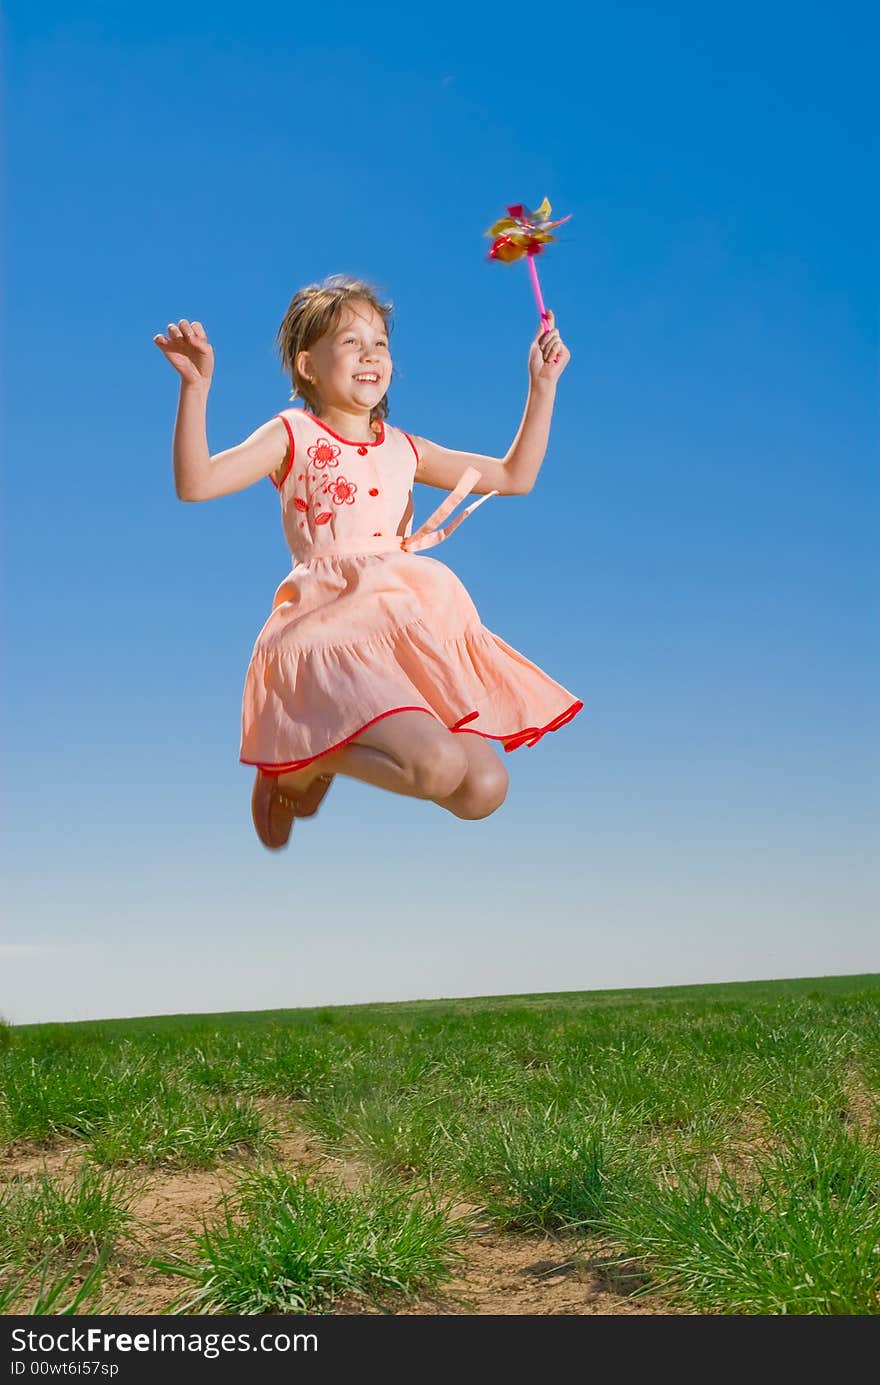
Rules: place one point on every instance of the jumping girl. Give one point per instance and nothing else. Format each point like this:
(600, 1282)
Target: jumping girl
(367, 634)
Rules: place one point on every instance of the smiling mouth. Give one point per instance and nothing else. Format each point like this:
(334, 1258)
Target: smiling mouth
(367, 378)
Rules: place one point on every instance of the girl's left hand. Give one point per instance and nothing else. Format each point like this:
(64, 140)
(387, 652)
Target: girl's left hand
(548, 354)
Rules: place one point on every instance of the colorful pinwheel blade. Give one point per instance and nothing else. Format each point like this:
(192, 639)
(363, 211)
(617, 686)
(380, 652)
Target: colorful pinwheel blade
(522, 231)
(506, 250)
(505, 224)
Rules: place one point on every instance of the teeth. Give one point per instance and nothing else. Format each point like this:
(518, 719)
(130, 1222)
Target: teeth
(368, 379)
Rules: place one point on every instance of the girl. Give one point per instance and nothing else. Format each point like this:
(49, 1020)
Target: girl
(362, 626)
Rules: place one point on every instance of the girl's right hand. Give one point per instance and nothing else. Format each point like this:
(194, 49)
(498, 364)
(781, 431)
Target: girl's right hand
(189, 351)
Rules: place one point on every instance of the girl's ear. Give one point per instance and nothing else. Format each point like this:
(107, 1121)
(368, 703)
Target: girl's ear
(303, 364)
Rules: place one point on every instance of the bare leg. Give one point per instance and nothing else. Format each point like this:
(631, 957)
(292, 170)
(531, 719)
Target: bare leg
(409, 753)
(413, 754)
(484, 786)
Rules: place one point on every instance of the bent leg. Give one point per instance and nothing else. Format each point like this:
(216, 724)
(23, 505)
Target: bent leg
(484, 786)
(409, 753)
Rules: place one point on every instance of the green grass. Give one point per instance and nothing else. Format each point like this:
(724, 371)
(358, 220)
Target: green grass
(804, 1239)
(294, 1247)
(124, 1106)
(540, 1171)
(57, 1295)
(171, 1129)
(41, 1213)
(723, 1139)
(45, 1096)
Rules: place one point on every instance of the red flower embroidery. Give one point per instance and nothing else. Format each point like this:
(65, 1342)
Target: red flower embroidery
(323, 517)
(373, 491)
(300, 504)
(324, 453)
(362, 452)
(341, 491)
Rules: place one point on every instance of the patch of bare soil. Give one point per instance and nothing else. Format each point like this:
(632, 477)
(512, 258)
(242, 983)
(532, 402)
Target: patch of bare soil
(518, 1274)
(500, 1273)
(27, 1159)
(861, 1114)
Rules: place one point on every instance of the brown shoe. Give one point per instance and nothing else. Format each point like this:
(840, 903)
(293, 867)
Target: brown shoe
(273, 811)
(307, 805)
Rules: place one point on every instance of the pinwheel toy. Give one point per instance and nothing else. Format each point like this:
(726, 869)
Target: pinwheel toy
(524, 233)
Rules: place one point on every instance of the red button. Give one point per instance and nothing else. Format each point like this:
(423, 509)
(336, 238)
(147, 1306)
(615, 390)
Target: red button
(362, 452)
(374, 491)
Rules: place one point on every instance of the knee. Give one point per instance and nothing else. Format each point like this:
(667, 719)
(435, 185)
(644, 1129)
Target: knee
(484, 790)
(440, 772)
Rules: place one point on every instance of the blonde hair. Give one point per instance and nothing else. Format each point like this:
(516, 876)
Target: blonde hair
(312, 312)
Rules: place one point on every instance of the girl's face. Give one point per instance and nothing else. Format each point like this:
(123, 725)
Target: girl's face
(351, 365)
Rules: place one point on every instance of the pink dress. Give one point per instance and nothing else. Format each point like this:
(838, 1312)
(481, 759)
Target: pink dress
(364, 625)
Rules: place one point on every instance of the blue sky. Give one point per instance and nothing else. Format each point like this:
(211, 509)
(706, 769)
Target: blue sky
(698, 560)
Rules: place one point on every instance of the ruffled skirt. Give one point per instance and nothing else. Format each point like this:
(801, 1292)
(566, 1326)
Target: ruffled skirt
(353, 639)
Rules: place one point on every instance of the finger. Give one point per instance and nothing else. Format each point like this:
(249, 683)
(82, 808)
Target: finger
(185, 327)
(174, 331)
(160, 340)
(199, 329)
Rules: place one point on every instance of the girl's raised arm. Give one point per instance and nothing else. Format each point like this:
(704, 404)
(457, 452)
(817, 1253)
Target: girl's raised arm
(198, 475)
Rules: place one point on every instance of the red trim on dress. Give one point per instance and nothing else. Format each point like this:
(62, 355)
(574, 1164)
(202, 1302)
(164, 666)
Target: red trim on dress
(279, 484)
(530, 735)
(351, 442)
(412, 445)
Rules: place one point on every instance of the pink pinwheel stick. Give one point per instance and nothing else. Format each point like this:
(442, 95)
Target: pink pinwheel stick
(530, 258)
(537, 287)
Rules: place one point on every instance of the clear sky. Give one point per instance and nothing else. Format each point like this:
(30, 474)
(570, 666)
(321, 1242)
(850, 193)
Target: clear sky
(698, 560)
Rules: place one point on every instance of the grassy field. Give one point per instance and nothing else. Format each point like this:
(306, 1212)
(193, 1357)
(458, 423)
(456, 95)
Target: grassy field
(699, 1149)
